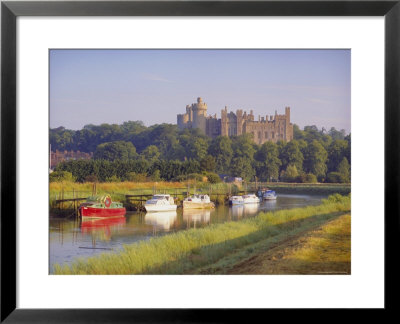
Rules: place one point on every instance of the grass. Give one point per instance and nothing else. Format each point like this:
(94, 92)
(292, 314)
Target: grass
(184, 251)
(311, 188)
(325, 250)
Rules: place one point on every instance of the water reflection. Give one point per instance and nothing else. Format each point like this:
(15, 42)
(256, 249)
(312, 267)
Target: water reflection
(102, 228)
(246, 210)
(196, 216)
(161, 220)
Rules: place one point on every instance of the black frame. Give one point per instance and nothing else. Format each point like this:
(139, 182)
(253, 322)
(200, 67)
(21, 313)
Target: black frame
(10, 10)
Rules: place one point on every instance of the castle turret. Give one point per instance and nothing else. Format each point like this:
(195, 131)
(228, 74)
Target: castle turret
(199, 114)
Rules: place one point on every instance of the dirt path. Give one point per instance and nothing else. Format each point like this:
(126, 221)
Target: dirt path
(325, 250)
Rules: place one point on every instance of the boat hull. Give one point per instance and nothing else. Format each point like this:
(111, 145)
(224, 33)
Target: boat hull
(150, 208)
(102, 212)
(197, 205)
(270, 198)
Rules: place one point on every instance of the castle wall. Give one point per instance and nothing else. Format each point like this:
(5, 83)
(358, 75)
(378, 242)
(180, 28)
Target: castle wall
(274, 128)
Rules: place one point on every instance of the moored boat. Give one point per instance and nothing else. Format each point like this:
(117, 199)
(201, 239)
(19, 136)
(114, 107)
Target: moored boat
(245, 199)
(236, 200)
(101, 206)
(197, 202)
(270, 195)
(251, 199)
(159, 203)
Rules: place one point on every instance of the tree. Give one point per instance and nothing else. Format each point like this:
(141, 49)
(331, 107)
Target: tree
(60, 176)
(267, 162)
(221, 149)
(315, 159)
(150, 154)
(336, 152)
(291, 155)
(344, 170)
(118, 150)
(208, 163)
(243, 146)
(242, 167)
(290, 174)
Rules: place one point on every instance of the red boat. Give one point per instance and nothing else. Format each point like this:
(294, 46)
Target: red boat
(101, 206)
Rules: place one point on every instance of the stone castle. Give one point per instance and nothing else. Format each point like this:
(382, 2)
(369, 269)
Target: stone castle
(264, 129)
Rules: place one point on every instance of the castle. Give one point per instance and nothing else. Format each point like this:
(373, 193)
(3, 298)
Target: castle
(264, 129)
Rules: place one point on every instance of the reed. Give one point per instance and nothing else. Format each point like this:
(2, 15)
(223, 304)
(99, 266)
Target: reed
(184, 251)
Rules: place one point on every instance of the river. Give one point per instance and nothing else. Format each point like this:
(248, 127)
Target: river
(73, 238)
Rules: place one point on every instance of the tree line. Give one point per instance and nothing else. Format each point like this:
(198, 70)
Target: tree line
(134, 152)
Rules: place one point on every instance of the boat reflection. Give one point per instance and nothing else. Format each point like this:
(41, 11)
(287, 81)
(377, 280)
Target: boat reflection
(268, 205)
(161, 220)
(194, 216)
(240, 211)
(102, 228)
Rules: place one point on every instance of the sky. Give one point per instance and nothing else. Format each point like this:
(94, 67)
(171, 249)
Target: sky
(153, 86)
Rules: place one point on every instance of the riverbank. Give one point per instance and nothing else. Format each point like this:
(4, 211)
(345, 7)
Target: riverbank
(323, 250)
(189, 250)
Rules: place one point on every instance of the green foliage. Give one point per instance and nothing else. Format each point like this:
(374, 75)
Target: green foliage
(342, 175)
(311, 178)
(168, 153)
(221, 149)
(91, 178)
(112, 151)
(213, 177)
(113, 178)
(136, 177)
(208, 163)
(344, 170)
(60, 176)
(267, 162)
(290, 154)
(151, 153)
(290, 174)
(336, 152)
(156, 176)
(315, 159)
(242, 167)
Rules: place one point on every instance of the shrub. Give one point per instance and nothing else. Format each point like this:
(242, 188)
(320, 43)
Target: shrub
(91, 178)
(311, 178)
(113, 178)
(334, 177)
(136, 177)
(213, 177)
(59, 176)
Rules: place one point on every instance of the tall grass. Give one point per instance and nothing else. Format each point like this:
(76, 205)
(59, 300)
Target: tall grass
(185, 250)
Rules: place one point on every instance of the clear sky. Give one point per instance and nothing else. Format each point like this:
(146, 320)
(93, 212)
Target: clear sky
(113, 86)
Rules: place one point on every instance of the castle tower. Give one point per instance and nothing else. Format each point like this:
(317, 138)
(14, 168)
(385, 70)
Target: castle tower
(224, 121)
(199, 110)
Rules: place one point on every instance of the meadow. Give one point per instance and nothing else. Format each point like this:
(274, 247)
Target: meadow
(191, 250)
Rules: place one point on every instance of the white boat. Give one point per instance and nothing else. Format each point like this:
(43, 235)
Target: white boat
(251, 199)
(269, 195)
(160, 202)
(197, 201)
(245, 199)
(236, 200)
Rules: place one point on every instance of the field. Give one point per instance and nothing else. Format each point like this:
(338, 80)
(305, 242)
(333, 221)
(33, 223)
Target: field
(205, 250)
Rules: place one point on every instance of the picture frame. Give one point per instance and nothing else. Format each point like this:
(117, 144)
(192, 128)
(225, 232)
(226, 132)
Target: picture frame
(11, 10)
